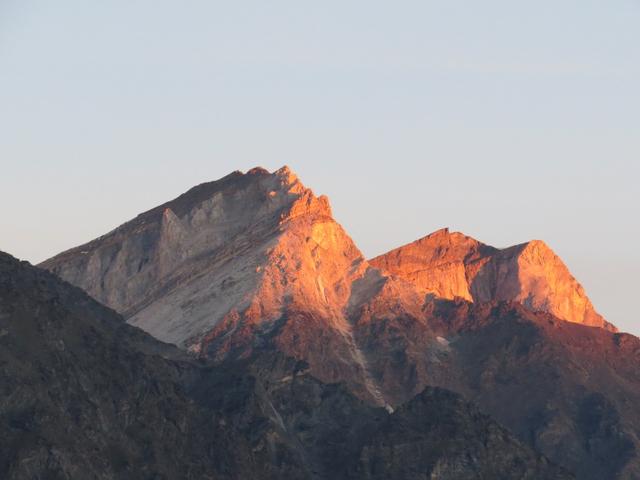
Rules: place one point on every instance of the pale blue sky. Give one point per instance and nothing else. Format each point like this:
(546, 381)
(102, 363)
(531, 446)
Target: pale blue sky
(502, 119)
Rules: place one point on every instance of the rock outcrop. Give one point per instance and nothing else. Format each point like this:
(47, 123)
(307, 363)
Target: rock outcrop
(450, 265)
(248, 245)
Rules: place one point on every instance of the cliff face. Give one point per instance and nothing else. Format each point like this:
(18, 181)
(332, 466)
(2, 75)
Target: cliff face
(230, 263)
(450, 265)
(255, 263)
(83, 395)
(436, 264)
(247, 245)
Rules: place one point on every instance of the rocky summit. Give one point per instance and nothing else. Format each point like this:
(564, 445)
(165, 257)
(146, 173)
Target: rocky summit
(255, 262)
(242, 249)
(450, 265)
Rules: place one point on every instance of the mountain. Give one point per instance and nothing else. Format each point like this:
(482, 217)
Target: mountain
(450, 265)
(84, 395)
(255, 262)
(249, 244)
(221, 266)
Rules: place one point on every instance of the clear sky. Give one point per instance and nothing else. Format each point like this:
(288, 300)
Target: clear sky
(505, 120)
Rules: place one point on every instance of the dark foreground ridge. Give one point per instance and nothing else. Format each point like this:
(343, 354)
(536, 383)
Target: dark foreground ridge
(86, 396)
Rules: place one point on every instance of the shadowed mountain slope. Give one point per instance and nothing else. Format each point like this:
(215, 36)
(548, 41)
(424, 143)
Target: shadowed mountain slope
(84, 395)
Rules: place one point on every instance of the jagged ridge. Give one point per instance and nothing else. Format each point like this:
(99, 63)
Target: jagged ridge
(451, 265)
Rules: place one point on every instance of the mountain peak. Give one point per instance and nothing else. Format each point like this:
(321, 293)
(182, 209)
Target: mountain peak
(286, 174)
(258, 170)
(537, 248)
(434, 263)
(444, 237)
(538, 278)
(450, 265)
(442, 232)
(249, 242)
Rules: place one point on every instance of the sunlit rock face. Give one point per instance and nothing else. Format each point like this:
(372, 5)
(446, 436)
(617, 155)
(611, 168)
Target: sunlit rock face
(229, 263)
(450, 265)
(240, 244)
(436, 264)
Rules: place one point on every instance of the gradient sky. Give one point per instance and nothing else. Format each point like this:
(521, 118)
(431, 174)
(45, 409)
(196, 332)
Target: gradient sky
(505, 120)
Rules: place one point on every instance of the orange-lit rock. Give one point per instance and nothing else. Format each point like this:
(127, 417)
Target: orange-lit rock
(435, 264)
(450, 265)
(229, 261)
(221, 265)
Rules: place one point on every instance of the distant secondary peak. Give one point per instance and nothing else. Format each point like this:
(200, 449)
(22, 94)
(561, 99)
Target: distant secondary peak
(442, 245)
(453, 265)
(444, 235)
